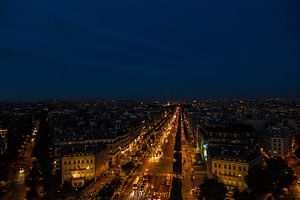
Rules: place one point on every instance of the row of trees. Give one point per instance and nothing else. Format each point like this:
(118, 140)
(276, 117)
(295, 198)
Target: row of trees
(17, 130)
(176, 191)
(212, 189)
(177, 164)
(43, 159)
(107, 192)
(128, 167)
(185, 129)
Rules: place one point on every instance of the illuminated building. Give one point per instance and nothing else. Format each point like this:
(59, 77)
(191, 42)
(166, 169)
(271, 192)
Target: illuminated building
(232, 170)
(83, 164)
(3, 140)
(232, 149)
(277, 141)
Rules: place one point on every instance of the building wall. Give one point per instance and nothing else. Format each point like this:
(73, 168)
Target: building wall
(232, 173)
(280, 146)
(78, 169)
(3, 141)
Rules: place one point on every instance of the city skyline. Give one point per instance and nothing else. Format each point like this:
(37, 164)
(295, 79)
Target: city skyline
(149, 50)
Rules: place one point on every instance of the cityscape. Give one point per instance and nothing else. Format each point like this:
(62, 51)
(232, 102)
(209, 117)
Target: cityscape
(209, 149)
(149, 100)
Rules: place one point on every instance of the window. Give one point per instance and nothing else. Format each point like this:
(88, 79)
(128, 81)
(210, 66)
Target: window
(216, 172)
(65, 162)
(87, 161)
(82, 162)
(91, 161)
(229, 166)
(240, 168)
(74, 162)
(244, 169)
(78, 161)
(233, 167)
(216, 165)
(69, 162)
(219, 165)
(225, 166)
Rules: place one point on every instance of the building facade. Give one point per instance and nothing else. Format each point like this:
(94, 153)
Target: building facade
(277, 141)
(3, 140)
(232, 171)
(79, 167)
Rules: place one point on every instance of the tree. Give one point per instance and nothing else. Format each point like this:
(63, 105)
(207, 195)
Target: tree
(176, 192)
(272, 178)
(67, 187)
(152, 137)
(259, 180)
(32, 194)
(144, 148)
(297, 153)
(242, 195)
(282, 175)
(127, 167)
(108, 191)
(212, 189)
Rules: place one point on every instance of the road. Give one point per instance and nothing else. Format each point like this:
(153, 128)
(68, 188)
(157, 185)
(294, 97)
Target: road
(192, 175)
(159, 167)
(21, 170)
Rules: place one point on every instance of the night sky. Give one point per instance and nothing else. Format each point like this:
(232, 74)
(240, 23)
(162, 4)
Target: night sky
(149, 49)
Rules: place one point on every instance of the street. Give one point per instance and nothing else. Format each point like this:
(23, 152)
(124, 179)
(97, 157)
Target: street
(21, 169)
(159, 168)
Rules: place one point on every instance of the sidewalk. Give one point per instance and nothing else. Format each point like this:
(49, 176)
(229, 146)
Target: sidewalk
(187, 172)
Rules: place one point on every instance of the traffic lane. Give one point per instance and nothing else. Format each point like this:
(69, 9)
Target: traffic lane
(22, 169)
(146, 165)
(154, 165)
(158, 167)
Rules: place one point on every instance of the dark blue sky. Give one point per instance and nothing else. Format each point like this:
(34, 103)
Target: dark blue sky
(149, 49)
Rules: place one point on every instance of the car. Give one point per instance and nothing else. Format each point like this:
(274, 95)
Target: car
(21, 170)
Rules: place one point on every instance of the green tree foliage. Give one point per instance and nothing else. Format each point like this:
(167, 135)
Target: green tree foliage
(211, 189)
